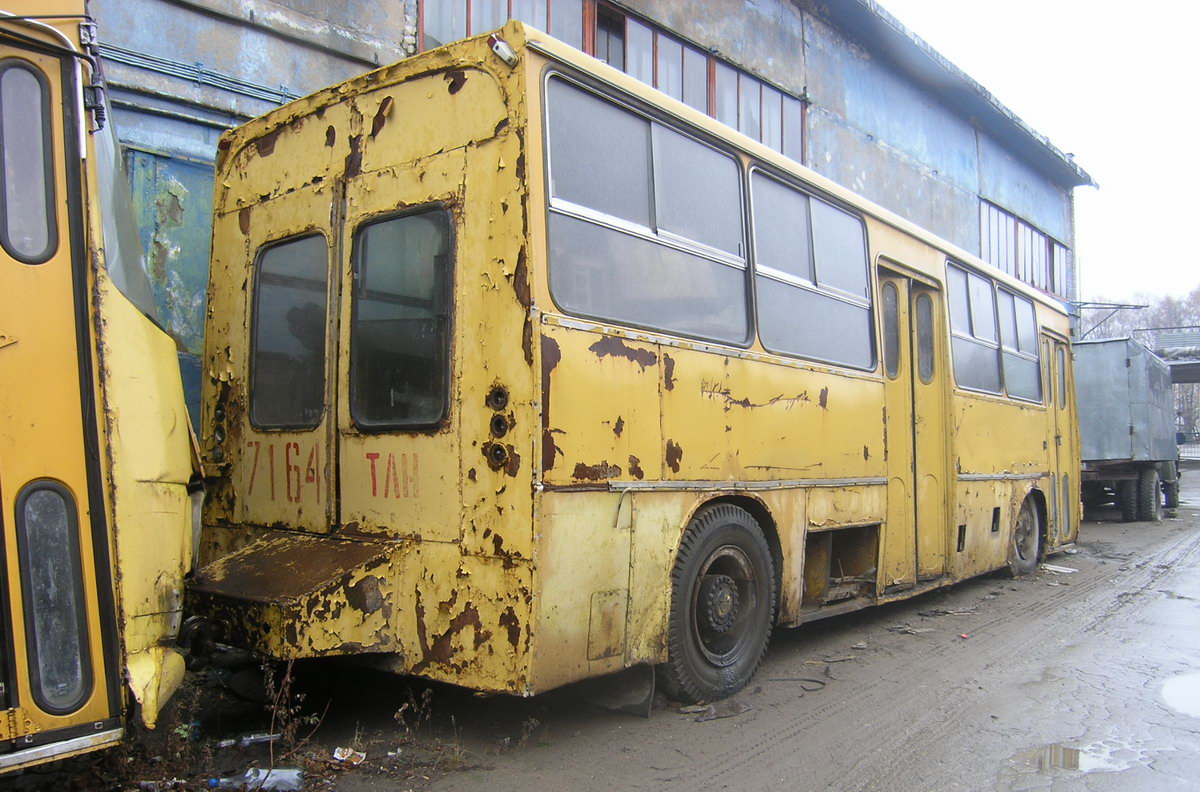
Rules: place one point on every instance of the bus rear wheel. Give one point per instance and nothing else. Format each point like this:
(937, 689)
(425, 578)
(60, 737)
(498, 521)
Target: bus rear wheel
(722, 606)
(1026, 541)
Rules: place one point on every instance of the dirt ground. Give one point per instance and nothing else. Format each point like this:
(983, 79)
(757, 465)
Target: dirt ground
(1083, 680)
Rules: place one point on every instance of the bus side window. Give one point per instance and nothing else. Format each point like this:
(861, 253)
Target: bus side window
(811, 267)
(645, 222)
(28, 230)
(973, 330)
(1018, 341)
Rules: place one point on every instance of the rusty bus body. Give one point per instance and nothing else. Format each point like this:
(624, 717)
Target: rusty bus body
(96, 456)
(488, 404)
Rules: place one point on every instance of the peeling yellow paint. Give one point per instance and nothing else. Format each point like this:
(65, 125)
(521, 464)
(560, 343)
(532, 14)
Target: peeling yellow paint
(528, 539)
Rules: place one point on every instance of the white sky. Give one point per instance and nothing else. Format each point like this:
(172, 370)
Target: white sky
(1114, 84)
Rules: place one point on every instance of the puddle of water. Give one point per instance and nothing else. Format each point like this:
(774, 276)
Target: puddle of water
(1182, 693)
(1100, 757)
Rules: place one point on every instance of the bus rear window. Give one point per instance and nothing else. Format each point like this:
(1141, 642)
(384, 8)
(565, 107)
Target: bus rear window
(399, 337)
(287, 368)
(27, 225)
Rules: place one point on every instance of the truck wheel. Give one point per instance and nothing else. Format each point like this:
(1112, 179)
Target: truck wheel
(1026, 541)
(1149, 496)
(1127, 499)
(1171, 488)
(1171, 495)
(722, 606)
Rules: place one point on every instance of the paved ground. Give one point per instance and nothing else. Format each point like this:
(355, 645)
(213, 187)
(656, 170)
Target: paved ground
(1088, 680)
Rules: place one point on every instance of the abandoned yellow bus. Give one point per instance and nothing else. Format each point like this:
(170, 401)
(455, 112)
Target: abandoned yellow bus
(95, 452)
(520, 372)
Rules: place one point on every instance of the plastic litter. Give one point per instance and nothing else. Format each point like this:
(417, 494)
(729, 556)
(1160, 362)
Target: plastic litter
(279, 779)
(1060, 569)
(349, 755)
(248, 739)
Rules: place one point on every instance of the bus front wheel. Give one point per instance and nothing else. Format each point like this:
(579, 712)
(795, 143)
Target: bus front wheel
(1026, 541)
(722, 606)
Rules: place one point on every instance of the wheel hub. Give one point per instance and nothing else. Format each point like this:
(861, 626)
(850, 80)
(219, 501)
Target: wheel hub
(719, 596)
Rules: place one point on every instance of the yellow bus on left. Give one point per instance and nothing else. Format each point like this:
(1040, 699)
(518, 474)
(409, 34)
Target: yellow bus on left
(97, 462)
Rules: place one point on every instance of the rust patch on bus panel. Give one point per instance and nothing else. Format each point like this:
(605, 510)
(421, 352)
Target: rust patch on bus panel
(455, 80)
(265, 145)
(353, 165)
(615, 347)
(330, 136)
(598, 472)
(244, 220)
(520, 279)
(823, 398)
(510, 622)
(551, 355)
(513, 465)
(381, 116)
(713, 390)
(674, 455)
(619, 426)
(635, 468)
(668, 372)
(441, 649)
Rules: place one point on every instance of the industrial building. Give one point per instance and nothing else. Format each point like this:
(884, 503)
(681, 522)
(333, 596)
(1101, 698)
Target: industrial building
(839, 85)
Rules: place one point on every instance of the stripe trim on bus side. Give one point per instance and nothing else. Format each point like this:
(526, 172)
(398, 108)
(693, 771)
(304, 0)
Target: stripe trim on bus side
(1002, 476)
(714, 486)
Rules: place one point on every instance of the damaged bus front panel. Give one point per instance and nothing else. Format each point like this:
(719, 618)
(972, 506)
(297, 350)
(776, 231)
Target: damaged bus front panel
(95, 452)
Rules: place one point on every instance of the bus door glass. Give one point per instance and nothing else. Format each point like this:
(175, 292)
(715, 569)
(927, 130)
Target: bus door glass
(59, 665)
(916, 534)
(398, 455)
(283, 465)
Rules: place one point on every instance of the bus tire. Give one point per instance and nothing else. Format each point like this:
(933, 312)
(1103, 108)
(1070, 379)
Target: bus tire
(1127, 499)
(1026, 542)
(1149, 498)
(722, 606)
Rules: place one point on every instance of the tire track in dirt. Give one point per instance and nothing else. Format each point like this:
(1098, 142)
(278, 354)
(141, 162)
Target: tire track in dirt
(898, 715)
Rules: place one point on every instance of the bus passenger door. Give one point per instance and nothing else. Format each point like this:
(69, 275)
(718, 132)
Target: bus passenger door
(1065, 474)
(59, 663)
(914, 546)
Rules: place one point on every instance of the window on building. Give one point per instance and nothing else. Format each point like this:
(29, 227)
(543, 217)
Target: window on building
(610, 38)
(443, 21)
(685, 72)
(645, 221)
(1017, 248)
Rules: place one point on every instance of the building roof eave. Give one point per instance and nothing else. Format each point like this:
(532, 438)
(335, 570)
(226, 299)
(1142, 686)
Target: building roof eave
(914, 57)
